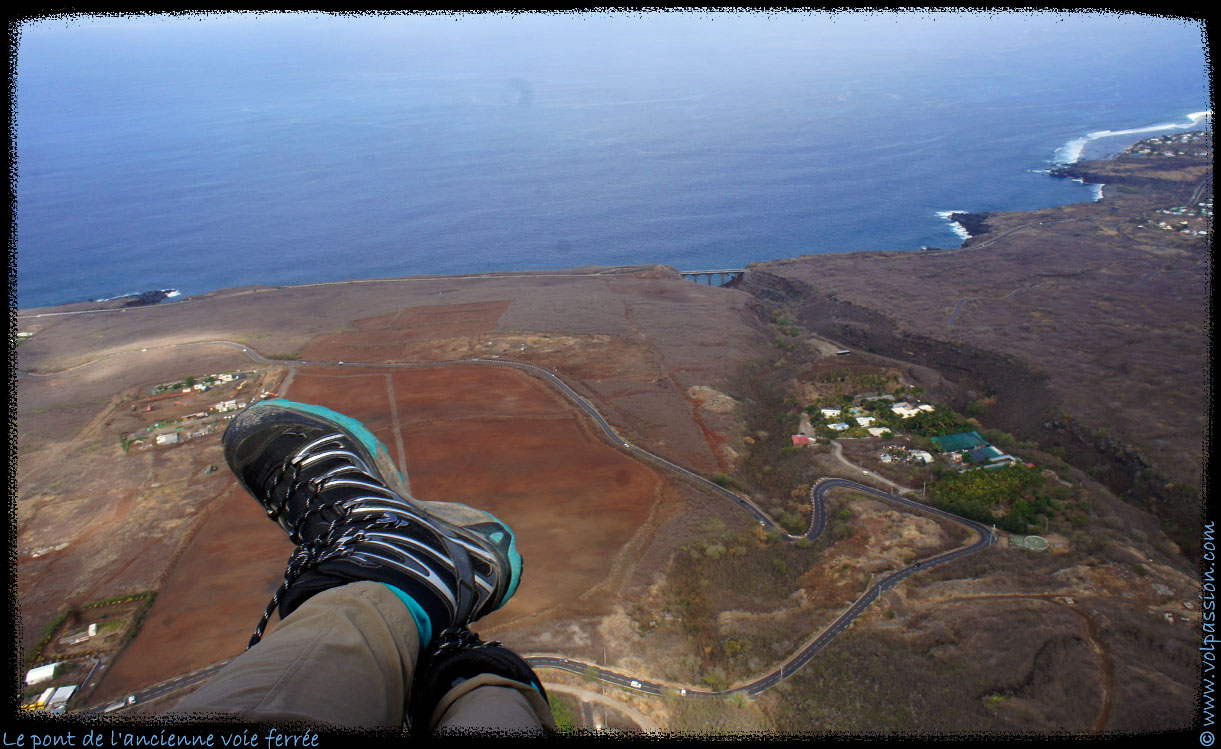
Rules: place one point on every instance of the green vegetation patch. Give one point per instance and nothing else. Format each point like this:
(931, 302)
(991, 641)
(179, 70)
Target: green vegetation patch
(565, 720)
(1011, 497)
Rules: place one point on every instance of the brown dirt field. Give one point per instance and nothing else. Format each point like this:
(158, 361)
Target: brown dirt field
(493, 438)
(572, 503)
(451, 320)
(211, 601)
(458, 393)
(502, 441)
(383, 338)
(122, 518)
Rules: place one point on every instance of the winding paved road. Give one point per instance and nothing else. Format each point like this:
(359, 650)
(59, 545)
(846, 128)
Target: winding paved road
(818, 522)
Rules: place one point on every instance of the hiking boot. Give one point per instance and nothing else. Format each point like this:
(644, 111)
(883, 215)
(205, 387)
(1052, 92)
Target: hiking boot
(458, 662)
(332, 486)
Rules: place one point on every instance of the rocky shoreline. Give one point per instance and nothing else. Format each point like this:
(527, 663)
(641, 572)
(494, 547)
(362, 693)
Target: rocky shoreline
(974, 224)
(149, 297)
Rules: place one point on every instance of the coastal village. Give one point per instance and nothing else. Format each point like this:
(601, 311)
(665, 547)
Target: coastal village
(905, 443)
(1195, 218)
(1194, 143)
(1182, 219)
(877, 417)
(220, 396)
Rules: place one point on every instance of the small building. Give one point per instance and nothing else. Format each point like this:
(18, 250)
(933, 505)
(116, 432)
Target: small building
(961, 441)
(40, 674)
(885, 457)
(60, 697)
(167, 439)
(978, 455)
(989, 454)
(828, 413)
(842, 352)
(878, 431)
(839, 426)
(229, 405)
(800, 439)
(44, 698)
(865, 421)
(904, 410)
(921, 455)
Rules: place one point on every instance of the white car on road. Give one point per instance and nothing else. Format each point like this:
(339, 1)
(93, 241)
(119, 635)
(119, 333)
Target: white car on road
(635, 684)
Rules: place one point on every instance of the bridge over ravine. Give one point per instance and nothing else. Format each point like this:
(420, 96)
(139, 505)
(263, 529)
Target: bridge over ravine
(724, 275)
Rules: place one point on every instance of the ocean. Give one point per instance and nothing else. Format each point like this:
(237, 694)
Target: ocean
(198, 153)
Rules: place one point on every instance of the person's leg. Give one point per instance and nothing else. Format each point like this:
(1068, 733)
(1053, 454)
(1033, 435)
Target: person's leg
(505, 707)
(466, 683)
(346, 656)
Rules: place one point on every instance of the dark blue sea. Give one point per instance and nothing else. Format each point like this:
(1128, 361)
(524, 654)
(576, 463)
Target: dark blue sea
(197, 153)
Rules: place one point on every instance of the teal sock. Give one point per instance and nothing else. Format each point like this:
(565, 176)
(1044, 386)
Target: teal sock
(423, 623)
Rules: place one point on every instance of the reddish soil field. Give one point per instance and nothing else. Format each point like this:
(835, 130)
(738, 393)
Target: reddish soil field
(383, 338)
(494, 438)
(210, 603)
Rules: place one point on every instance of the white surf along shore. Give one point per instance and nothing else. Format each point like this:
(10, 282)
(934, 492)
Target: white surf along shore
(1070, 153)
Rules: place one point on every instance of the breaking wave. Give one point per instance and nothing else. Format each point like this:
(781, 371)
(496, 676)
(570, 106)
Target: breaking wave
(956, 227)
(1070, 152)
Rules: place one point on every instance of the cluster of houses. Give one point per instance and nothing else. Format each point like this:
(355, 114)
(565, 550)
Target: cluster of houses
(1203, 210)
(966, 449)
(203, 385)
(853, 418)
(866, 422)
(901, 454)
(193, 425)
(178, 430)
(903, 409)
(1196, 143)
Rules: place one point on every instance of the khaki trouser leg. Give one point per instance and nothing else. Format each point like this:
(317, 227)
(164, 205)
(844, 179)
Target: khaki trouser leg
(491, 701)
(346, 657)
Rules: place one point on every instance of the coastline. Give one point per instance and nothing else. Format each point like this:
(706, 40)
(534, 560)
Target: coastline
(955, 225)
(1072, 151)
(965, 224)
